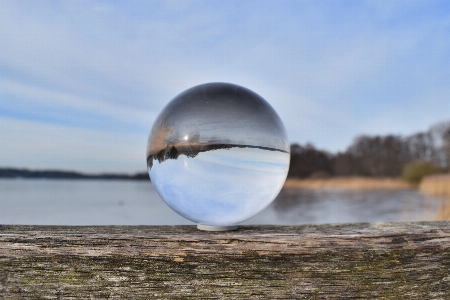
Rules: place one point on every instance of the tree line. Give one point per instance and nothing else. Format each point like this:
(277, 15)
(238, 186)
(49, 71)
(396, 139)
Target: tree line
(375, 156)
(57, 174)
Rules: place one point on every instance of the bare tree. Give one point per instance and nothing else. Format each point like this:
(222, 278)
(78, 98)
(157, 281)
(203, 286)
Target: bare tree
(441, 131)
(307, 160)
(446, 146)
(379, 155)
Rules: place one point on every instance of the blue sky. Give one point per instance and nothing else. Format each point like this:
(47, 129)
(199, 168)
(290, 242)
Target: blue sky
(81, 82)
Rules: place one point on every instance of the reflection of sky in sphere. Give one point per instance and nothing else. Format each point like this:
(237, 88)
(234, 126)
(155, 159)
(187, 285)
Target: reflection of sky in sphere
(221, 187)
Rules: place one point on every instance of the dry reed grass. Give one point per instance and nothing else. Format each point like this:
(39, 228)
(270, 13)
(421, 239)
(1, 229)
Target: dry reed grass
(438, 185)
(443, 212)
(357, 183)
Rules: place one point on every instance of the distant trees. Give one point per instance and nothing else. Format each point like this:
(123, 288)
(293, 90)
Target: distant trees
(375, 155)
(307, 161)
(446, 144)
(378, 155)
(56, 174)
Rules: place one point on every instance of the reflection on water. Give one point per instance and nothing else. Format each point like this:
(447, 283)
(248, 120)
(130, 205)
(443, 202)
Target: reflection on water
(339, 206)
(99, 202)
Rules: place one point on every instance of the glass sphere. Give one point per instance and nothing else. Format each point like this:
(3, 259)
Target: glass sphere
(218, 154)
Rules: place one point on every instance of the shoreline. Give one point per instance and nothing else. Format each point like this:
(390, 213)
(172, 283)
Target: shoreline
(354, 183)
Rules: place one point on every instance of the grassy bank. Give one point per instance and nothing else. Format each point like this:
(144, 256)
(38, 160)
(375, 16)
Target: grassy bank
(348, 183)
(438, 185)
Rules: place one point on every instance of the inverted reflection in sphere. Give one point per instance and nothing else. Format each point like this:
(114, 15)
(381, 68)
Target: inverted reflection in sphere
(218, 154)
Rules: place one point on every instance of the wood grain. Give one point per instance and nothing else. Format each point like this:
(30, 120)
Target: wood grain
(347, 261)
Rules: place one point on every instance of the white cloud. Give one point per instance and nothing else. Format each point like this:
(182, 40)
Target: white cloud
(52, 98)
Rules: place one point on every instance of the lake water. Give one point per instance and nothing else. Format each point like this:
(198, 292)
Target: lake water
(116, 202)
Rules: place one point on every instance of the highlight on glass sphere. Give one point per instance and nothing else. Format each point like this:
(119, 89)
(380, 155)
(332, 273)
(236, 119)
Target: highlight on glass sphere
(218, 154)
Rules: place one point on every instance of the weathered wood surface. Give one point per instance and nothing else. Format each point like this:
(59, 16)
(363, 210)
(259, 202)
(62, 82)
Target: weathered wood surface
(348, 261)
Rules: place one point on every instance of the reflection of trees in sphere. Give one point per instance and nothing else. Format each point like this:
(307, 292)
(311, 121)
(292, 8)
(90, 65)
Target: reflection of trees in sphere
(218, 154)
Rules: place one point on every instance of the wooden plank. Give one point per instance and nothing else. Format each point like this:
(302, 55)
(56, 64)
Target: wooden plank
(347, 261)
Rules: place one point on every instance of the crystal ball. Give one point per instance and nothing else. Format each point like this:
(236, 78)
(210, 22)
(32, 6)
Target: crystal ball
(218, 154)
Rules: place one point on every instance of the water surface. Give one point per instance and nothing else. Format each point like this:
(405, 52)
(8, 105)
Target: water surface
(122, 202)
